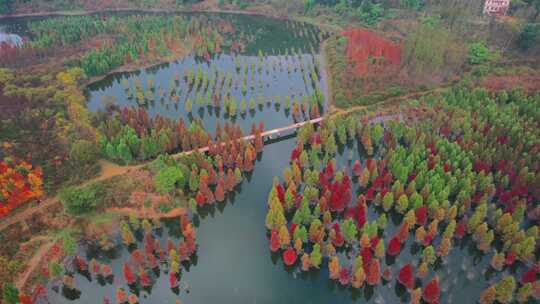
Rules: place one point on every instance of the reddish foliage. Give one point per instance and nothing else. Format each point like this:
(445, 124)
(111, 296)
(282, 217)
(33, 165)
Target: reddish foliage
(403, 232)
(357, 168)
(431, 292)
(364, 45)
(367, 255)
(358, 213)
(25, 299)
(339, 239)
(145, 279)
(394, 246)
(406, 276)
(460, 229)
(129, 275)
(80, 264)
(20, 183)
(428, 239)
(530, 275)
(344, 276)
(173, 280)
(274, 241)
(530, 83)
(289, 256)
(421, 215)
(200, 198)
(280, 193)
(510, 258)
(373, 275)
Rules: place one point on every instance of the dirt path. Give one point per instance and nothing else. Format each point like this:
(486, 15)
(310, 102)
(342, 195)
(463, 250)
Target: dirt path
(108, 170)
(32, 264)
(149, 213)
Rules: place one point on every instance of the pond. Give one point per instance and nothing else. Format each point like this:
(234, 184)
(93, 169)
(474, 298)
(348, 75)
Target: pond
(234, 263)
(275, 71)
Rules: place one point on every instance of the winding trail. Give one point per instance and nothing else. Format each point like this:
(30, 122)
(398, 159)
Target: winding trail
(108, 170)
(33, 263)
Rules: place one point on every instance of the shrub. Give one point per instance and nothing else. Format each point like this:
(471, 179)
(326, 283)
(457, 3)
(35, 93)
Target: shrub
(167, 178)
(78, 201)
(10, 293)
(84, 152)
(478, 53)
(529, 37)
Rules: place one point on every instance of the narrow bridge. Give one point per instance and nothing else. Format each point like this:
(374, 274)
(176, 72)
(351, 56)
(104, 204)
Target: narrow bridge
(270, 134)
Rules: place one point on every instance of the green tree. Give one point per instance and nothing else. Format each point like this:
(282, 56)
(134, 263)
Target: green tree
(167, 179)
(308, 5)
(83, 152)
(124, 153)
(478, 53)
(505, 289)
(78, 201)
(388, 201)
(193, 181)
(402, 204)
(5, 6)
(69, 245)
(369, 12)
(301, 233)
(349, 230)
(530, 36)
(315, 256)
(10, 293)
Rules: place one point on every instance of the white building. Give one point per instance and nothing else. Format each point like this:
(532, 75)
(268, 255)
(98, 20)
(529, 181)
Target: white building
(496, 7)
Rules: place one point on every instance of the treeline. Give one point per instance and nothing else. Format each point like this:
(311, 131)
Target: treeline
(130, 135)
(125, 39)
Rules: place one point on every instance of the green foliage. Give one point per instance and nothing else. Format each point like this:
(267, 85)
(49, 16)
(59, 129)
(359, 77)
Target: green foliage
(505, 289)
(412, 4)
(168, 178)
(530, 36)
(5, 6)
(308, 5)
(84, 152)
(81, 200)
(301, 233)
(369, 12)
(55, 269)
(478, 53)
(10, 293)
(430, 48)
(315, 256)
(349, 230)
(69, 245)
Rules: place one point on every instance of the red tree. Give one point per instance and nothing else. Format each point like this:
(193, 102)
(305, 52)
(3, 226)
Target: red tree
(374, 272)
(431, 292)
(406, 276)
(274, 241)
(128, 274)
(394, 246)
(289, 256)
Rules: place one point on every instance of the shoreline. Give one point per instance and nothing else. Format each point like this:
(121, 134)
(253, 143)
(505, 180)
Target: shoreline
(137, 10)
(172, 58)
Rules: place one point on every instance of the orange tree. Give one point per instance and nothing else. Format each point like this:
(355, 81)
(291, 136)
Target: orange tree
(20, 182)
